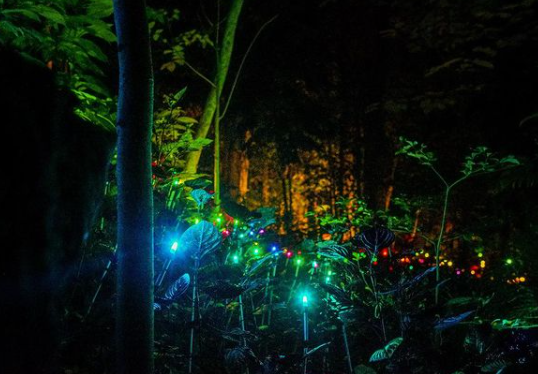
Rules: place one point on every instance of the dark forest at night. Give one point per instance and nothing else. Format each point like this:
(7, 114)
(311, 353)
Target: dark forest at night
(269, 187)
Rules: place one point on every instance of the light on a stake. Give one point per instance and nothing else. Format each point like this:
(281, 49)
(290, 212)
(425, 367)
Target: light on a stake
(305, 300)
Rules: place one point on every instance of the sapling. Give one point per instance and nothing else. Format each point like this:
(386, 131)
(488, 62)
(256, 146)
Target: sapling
(480, 161)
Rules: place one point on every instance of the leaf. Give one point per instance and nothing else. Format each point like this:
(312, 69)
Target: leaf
(452, 321)
(376, 238)
(254, 267)
(236, 334)
(184, 119)
(496, 366)
(528, 118)
(200, 240)
(49, 13)
(363, 369)
(198, 183)
(178, 288)
(237, 358)
(314, 350)
(387, 351)
(201, 197)
(100, 8)
(332, 250)
(411, 283)
(339, 295)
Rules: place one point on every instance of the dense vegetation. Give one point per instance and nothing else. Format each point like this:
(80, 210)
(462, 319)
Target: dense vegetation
(364, 169)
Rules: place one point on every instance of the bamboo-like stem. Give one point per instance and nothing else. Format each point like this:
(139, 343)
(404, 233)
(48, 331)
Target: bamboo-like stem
(294, 282)
(193, 315)
(271, 296)
(100, 285)
(439, 242)
(242, 318)
(346, 344)
(162, 274)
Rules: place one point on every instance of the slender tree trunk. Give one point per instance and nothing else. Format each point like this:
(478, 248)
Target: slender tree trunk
(134, 322)
(222, 71)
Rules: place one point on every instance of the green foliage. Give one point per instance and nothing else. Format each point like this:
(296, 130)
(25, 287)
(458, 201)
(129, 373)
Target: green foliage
(416, 150)
(387, 351)
(69, 36)
(172, 47)
(481, 160)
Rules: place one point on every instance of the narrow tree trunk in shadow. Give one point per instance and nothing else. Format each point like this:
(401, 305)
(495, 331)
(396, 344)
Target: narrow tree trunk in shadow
(134, 322)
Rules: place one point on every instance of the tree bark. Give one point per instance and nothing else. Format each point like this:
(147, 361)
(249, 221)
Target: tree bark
(134, 320)
(225, 55)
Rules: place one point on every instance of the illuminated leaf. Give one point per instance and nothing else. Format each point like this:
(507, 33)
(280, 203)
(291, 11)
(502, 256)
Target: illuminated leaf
(387, 351)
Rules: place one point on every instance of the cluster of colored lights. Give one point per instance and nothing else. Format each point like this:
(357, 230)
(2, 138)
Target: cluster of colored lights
(516, 280)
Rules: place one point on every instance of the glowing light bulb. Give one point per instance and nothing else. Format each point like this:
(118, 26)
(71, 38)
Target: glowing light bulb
(273, 249)
(426, 255)
(236, 259)
(450, 263)
(482, 264)
(174, 247)
(197, 220)
(509, 261)
(328, 280)
(480, 254)
(305, 300)
(315, 264)
(256, 251)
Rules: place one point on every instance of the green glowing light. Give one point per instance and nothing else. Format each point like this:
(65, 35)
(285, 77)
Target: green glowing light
(328, 280)
(480, 254)
(236, 259)
(219, 220)
(329, 273)
(197, 220)
(298, 261)
(509, 261)
(305, 300)
(256, 251)
(174, 246)
(411, 267)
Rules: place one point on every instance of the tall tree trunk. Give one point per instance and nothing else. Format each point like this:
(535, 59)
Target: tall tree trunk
(210, 107)
(134, 321)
